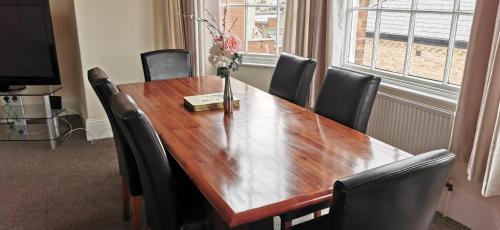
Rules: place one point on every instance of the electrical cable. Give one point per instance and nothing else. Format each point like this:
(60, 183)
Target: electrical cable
(67, 135)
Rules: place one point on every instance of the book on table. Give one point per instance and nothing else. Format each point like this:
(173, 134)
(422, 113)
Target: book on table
(207, 102)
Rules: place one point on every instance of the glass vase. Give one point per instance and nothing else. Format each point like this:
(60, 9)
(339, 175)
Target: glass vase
(228, 96)
(223, 72)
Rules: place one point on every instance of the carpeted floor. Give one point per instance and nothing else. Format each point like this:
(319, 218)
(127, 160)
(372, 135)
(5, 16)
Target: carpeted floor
(75, 186)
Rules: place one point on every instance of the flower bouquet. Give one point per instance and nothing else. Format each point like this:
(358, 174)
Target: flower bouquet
(224, 53)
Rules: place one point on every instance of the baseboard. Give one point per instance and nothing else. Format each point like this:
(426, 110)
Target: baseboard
(469, 212)
(98, 128)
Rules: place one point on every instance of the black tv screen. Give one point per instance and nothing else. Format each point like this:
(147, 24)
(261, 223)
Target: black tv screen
(27, 48)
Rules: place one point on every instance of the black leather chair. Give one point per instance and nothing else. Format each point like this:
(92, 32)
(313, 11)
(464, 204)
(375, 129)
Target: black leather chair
(347, 97)
(292, 78)
(401, 195)
(166, 64)
(131, 185)
(167, 207)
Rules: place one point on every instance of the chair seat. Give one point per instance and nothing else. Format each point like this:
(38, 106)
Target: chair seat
(323, 222)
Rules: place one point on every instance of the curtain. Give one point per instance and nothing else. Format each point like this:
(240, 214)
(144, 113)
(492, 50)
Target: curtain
(178, 29)
(314, 29)
(476, 128)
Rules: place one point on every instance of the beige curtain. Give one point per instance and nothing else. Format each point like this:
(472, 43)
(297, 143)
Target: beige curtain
(308, 33)
(476, 129)
(177, 27)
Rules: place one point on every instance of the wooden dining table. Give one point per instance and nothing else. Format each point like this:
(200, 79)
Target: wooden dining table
(267, 158)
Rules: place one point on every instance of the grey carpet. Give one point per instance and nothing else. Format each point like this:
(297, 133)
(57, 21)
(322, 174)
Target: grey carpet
(75, 186)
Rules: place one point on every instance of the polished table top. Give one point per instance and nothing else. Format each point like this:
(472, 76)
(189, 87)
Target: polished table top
(271, 156)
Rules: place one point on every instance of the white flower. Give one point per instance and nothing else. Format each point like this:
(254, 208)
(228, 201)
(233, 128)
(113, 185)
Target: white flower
(218, 56)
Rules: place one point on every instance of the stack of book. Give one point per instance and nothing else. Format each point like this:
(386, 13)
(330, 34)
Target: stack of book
(207, 101)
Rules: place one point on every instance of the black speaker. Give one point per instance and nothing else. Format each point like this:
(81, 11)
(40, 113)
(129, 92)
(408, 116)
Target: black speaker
(55, 102)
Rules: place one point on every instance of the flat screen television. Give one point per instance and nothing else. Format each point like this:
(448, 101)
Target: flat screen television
(27, 47)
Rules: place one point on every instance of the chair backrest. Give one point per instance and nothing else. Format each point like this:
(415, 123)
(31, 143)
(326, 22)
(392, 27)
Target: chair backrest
(401, 195)
(347, 97)
(166, 64)
(154, 169)
(105, 88)
(292, 78)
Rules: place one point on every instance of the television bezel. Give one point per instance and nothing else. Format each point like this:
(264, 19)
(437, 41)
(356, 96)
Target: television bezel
(37, 80)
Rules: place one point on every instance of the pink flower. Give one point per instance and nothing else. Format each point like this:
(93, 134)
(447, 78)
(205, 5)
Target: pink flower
(232, 44)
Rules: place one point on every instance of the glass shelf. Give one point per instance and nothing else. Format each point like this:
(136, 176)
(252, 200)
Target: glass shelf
(33, 90)
(30, 112)
(35, 132)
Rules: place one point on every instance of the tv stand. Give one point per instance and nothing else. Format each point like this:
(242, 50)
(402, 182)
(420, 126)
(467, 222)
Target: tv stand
(31, 122)
(8, 88)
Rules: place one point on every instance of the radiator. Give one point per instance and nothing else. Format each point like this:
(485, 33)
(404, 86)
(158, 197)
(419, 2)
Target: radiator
(408, 125)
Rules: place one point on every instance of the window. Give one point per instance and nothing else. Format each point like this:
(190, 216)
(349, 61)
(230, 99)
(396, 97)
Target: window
(259, 25)
(417, 42)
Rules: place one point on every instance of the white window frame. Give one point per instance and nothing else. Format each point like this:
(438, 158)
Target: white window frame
(405, 80)
(258, 59)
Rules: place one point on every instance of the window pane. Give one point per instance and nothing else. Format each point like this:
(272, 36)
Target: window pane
(262, 29)
(430, 45)
(238, 14)
(268, 2)
(232, 2)
(467, 5)
(392, 41)
(435, 5)
(281, 29)
(460, 51)
(365, 3)
(397, 4)
(361, 44)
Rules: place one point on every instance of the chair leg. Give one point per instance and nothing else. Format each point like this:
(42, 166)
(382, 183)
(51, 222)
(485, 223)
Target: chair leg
(286, 224)
(126, 201)
(317, 214)
(136, 213)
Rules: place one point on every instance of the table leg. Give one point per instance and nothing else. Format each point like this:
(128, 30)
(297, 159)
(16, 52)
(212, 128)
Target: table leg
(51, 122)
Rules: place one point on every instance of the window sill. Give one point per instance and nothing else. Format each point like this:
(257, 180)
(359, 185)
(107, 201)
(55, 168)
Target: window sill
(448, 103)
(420, 91)
(259, 60)
(432, 100)
(250, 64)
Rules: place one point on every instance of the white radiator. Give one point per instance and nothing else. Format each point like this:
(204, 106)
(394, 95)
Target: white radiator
(410, 126)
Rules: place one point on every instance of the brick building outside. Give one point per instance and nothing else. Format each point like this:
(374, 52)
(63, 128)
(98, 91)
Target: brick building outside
(430, 46)
(262, 31)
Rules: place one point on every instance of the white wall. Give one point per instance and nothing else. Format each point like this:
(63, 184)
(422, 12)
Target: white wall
(468, 206)
(111, 35)
(259, 77)
(63, 20)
